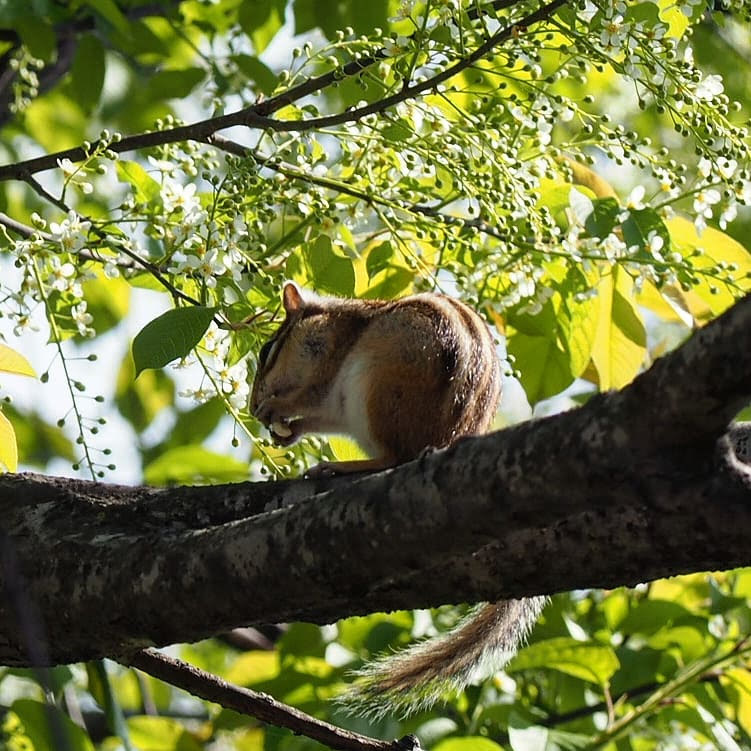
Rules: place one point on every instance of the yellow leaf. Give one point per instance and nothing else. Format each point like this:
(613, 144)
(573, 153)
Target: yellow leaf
(740, 680)
(674, 17)
(718, 248)
(690, 590)
(253, 667)
(652, 299)
(14, 362)
(345, 450)
(8, 448)
(620, 344)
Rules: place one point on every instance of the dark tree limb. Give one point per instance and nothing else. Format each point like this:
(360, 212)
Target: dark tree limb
(261, 706)
(633, 486)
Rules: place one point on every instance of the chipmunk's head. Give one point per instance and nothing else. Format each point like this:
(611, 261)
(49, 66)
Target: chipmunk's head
(293, 374)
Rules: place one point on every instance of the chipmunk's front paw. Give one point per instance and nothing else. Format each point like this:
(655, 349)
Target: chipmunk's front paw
(322, 469)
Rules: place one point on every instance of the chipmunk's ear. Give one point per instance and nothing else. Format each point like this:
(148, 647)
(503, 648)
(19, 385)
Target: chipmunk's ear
(292, 298)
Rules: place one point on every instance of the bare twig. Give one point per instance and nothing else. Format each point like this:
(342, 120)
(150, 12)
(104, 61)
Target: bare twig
(261, 706)
(42, 192)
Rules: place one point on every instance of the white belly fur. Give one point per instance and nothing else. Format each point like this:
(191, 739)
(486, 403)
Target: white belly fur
(346, 404)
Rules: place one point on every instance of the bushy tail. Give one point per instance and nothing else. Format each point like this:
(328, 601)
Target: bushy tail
(417, 677)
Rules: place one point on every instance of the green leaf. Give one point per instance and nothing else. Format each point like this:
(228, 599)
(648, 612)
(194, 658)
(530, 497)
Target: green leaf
(329, 272)
(591, 662)
(345, 449)
(146, 187)
(620, 344)
(577, 321)
(739, 681)
(264, 78)
(195, 424)
(604, 217)
(389, 283)
(87, 71)
(379, 258)
(140, 401)
(330, 15)
(108, 301)
(640, 223)
(174, 84)
(8, 447)
(543, 362)
(302, 640)
(375, 632)
(261, 19)
(189, 464)
(170, 336)
(44, 725)
(675, 18)
(253, 667)
(108, 9)
(38, 36)
(469, 743)
(160, 734)
(100, 686)
(38, 442)
(717, 248)
(557, 199)
(192, 426)
(649, 616)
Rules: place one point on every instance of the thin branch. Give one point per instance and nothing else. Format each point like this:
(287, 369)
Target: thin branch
(409, 92)
(19, 228)
(42, 192)
(261, 706)
(256, 116)
(27, 232)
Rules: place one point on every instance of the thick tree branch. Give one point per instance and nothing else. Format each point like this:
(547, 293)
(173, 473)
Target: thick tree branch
(635, 485)
(257, 115)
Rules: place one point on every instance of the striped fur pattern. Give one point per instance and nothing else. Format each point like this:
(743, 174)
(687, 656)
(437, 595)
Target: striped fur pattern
(398, 376)
(417, 677)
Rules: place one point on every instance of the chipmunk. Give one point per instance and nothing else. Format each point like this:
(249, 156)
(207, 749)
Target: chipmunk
(400, 377)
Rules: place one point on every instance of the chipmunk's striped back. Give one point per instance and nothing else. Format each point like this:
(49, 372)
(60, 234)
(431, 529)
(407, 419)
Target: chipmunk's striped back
(398, 376)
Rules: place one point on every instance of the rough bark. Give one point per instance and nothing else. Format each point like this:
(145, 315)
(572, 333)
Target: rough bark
(638, 484)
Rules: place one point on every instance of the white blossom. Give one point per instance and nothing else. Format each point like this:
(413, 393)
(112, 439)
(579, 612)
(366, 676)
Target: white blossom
(709, 87)
(655, 244)
(62, 275)
(199, 395)
(614, 32)
(704, 200)
(71, 233)
(178, 197)
(24, 323)
(635, 200)
(82, 319)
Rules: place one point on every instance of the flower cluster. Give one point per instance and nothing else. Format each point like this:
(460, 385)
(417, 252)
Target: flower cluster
(230, 381)
(25, 87)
